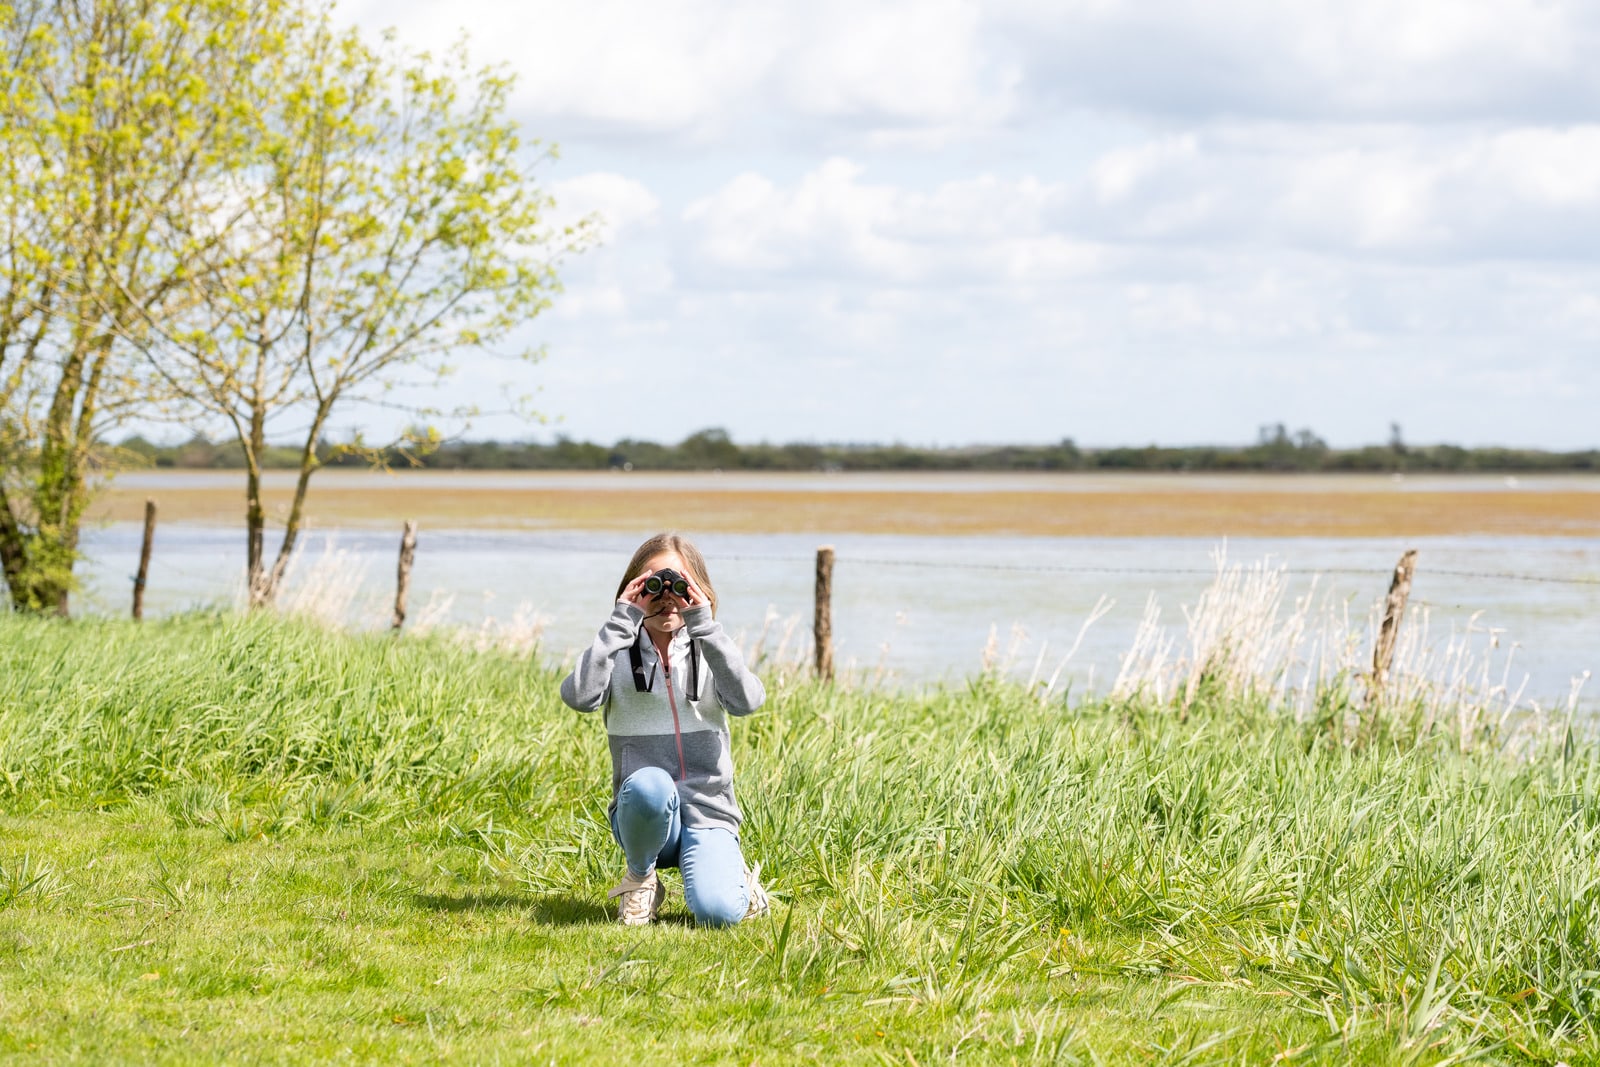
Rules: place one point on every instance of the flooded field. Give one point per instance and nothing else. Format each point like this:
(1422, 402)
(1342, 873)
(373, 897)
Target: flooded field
(919, 607)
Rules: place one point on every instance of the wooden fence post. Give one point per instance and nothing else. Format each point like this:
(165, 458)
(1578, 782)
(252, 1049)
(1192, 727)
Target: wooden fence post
(1394, 611)
(144, 559)
(822, 624)
(408, 550)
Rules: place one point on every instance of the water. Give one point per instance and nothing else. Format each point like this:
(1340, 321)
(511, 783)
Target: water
(908, 609)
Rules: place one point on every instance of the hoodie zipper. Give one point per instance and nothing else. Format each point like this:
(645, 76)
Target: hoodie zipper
(677, 732)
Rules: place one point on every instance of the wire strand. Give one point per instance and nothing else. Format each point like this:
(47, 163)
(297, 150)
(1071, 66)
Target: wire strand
(1102, 569)
(1019, 568)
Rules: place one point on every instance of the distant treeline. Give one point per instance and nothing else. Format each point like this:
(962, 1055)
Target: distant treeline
(1275, 450)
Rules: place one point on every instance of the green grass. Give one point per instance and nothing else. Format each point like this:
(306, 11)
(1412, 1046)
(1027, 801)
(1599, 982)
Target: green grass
(228, 839)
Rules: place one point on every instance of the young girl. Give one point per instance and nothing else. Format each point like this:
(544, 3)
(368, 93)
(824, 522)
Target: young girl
(668, 676)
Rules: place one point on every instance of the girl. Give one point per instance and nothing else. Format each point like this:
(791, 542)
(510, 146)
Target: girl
(668, 676)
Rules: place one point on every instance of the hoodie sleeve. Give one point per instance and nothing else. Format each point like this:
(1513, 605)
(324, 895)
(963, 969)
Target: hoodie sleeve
(739, 691)
(586, 687)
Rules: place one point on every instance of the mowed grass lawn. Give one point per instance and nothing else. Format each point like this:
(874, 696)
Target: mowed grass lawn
(227, 839)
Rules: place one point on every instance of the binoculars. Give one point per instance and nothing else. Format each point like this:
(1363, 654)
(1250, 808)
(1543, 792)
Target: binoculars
(666, 580)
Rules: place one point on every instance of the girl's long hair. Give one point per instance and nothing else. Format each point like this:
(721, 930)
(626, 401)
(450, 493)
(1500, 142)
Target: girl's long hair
(670, 542)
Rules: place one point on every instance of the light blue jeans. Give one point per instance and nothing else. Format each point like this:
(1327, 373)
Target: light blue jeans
(647, 826)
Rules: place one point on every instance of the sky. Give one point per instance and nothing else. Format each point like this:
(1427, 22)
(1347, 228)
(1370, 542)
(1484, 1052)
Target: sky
(949, 223)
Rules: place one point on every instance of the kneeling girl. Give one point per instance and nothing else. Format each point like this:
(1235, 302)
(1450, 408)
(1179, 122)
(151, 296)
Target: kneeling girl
(668, 677)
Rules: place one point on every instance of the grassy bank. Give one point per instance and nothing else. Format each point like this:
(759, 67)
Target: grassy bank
(227, 839)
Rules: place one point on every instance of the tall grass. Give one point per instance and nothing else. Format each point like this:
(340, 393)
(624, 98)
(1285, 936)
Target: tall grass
(103, 711)
(959, 853)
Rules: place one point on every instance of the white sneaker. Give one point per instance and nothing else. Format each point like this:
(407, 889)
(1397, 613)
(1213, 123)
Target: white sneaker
(641, 899)
(756, 893)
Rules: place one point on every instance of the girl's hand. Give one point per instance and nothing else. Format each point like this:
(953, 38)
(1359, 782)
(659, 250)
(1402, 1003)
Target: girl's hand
(634, 593)
(695, 597)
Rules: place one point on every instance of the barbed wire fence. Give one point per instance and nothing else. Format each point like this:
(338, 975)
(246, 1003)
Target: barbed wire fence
(826, 558)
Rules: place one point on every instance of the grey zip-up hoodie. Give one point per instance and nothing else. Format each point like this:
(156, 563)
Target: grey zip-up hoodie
(662, 727)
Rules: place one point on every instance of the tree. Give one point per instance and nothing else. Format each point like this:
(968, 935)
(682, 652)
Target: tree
(384, 218)
(109, 110)
(709, 448)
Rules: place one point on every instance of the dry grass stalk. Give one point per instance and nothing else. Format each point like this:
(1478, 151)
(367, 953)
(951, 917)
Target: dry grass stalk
(1096, 613)
(1243, 640)
(323, 589)
(784, 662)
(518, 636)
(327, 589)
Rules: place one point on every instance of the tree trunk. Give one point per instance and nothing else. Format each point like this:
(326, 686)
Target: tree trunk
(291, 527)
(61, 492)
(254, 443)
(35, 579)
(255, 514)
(255, 526)
(144, 559)
(19, 552)
(13, 549)
(54, 495)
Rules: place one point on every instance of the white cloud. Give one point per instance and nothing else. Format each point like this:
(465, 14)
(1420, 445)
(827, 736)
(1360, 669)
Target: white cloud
(1119, 172)
(977, 231)
(698, 68)
(828, 218)
(612, 201)
(898, 62)
(1358, 199)
(919, 71)
(1530, 194)
(1545, 168)
(1348, 59)
(1527, 193)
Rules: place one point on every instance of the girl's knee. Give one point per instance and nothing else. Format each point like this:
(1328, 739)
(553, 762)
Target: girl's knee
(648, 787)
(724, 907)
